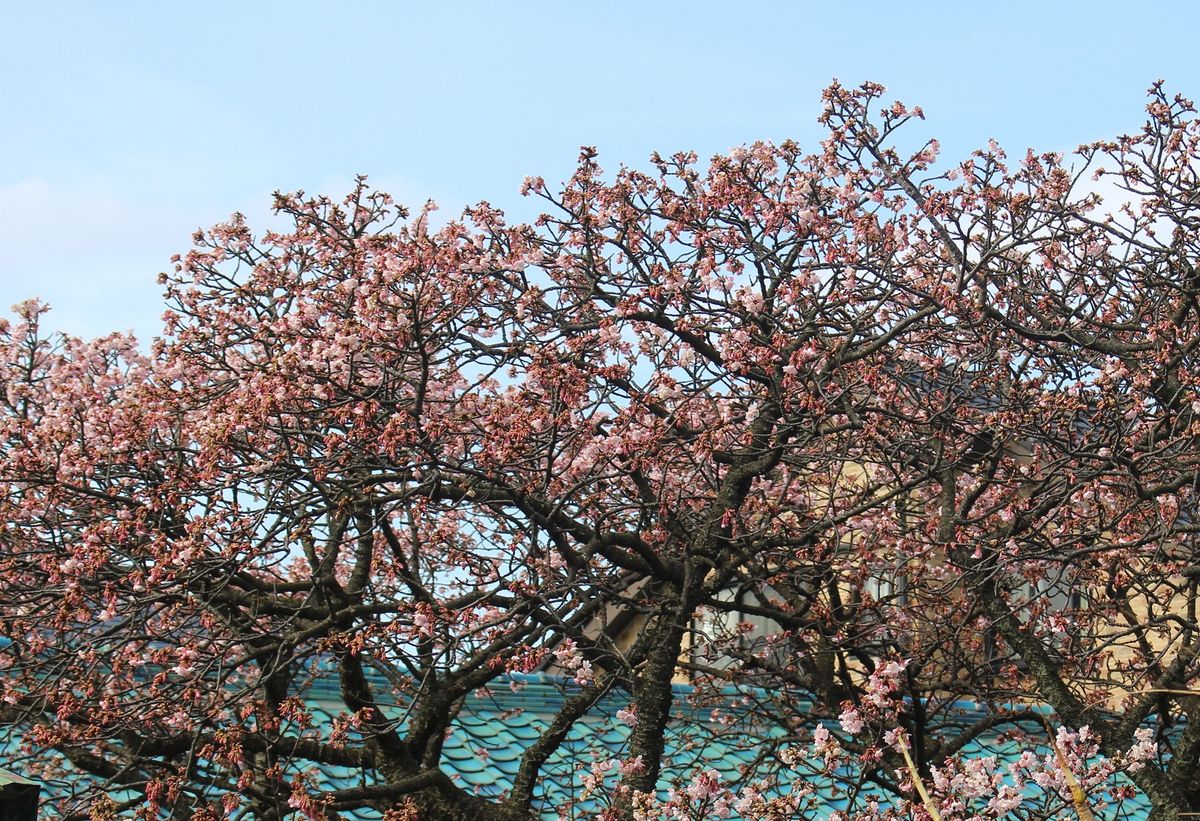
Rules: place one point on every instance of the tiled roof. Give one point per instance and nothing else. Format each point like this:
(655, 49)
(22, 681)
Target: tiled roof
(483, 750)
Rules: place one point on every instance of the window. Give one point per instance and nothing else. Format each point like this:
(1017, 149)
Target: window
(724, 637)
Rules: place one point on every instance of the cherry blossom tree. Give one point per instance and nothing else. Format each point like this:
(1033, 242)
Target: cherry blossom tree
(931, 425)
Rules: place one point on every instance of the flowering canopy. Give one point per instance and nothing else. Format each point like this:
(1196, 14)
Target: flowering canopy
(936, 425)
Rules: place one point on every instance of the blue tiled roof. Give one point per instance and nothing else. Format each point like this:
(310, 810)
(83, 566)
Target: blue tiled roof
(483, 749)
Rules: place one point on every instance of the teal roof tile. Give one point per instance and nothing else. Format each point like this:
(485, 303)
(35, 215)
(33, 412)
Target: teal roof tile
(524, 732)
(483, 750)
(509, 753)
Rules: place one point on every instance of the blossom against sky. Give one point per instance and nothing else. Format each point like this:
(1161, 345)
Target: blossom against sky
(127, 126)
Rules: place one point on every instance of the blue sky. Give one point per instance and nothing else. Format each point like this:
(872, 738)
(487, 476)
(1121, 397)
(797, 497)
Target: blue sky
(128, 125)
